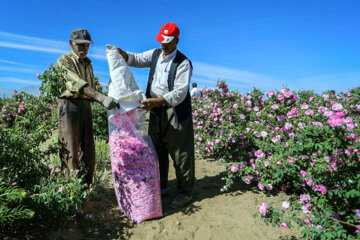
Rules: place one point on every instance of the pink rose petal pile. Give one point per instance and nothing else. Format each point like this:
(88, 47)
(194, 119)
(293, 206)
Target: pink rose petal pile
(135, 169)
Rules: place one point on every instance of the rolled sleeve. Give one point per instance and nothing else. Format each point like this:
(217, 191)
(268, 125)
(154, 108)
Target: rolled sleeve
(80, 84)
(140, 60)
(181, 84)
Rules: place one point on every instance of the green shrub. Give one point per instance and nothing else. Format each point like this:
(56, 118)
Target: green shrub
(103, 165)
(11, 208)
(302, 143)
(30, 189)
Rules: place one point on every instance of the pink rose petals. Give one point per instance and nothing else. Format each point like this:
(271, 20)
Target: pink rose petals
(135, 168)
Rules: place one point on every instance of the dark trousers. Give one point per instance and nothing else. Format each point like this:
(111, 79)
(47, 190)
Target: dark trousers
(76, 137)
(177, 139)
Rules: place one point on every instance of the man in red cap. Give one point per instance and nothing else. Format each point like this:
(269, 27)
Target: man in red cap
(169, 103)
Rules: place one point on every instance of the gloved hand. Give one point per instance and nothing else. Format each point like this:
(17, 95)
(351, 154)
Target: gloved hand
(109, 102)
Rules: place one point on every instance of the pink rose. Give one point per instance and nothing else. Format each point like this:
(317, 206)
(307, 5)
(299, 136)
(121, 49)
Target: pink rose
(233, 169)
(286, 204)
(287, 94)
(334, 121)
(275, 107)
(259, 154)
(287, 126)
(310, 182)
(339, 114)
(325, 96)
(294, 111)
(337, 107)
(263, 208)
(304, 106)
(307, 221)
(303, 173)
(280, 98)
(350, 127)
(309, 112)
(270, 93)
(320, 188)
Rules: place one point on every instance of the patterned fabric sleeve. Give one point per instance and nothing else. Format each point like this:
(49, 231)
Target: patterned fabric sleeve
(74, 83)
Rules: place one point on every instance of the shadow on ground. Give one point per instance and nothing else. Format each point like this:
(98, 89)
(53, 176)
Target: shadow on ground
(98, 220)
(104, 220)
(209, 187)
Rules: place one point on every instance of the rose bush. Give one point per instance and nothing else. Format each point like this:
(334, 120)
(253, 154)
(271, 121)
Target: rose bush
(30, 193)
(299, 142)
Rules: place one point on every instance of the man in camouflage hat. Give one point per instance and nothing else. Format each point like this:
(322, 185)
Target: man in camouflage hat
(76, 140)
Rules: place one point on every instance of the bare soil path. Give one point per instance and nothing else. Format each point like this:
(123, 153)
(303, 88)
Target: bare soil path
(212, 214)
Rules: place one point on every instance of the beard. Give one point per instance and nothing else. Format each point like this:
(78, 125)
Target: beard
(82, 54)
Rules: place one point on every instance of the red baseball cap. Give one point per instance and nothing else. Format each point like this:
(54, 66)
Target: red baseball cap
(167, 33)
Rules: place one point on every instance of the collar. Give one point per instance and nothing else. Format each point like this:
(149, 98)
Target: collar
(87, 60)
(170, 56)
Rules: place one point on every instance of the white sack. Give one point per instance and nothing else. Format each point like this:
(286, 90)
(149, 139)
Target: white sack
(122, 85)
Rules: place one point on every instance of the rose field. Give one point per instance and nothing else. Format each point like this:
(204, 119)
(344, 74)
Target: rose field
(300, 143)
(299, 151)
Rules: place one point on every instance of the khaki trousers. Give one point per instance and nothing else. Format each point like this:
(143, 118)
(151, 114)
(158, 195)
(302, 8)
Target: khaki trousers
(76, 137)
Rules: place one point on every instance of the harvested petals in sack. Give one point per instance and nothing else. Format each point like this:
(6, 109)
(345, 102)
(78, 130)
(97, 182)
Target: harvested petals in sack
(135, 169)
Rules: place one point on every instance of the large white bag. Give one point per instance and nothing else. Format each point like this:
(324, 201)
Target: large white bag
(122, 85)
(134, 161)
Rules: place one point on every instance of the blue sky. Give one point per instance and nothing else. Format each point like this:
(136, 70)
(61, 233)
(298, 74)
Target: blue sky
(266, 44)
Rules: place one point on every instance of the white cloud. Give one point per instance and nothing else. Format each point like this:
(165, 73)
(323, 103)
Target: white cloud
(16, 41)
(31, 47)
(207, 74)
(212, 83)
(21, 39)
(97, 56)
(18, 80)
(338, 82)
(101, 73)
(18, 69)
(235, 78)
(15, 63)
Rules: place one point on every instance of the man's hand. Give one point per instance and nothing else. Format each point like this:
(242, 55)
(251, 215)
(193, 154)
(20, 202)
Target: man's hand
(109, 102)
(150, 103)
(123, 54)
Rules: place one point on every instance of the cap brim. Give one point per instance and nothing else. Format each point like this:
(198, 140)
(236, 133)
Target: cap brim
(83, 41)
(164, 39)
(159, 38)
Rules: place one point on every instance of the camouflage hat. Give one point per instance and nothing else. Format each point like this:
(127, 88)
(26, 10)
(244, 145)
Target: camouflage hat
(80, 36)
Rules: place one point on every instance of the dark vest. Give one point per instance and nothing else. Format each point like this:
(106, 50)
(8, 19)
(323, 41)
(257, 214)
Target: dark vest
(183, 110)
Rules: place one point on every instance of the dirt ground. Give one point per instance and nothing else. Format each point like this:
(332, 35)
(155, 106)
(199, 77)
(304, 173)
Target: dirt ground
(212, 214)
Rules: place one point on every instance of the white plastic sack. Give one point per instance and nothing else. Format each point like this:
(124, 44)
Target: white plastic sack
(122, 85)
(133, 157)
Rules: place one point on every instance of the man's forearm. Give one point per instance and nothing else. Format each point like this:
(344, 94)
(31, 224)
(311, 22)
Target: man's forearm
(150, 103)
(123, 54)
(92, 93)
